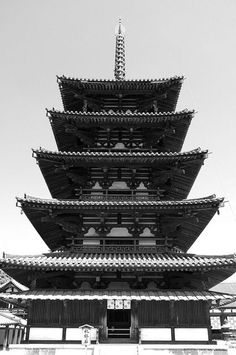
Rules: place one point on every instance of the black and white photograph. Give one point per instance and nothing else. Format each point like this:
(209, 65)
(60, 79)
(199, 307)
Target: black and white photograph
(118, 184)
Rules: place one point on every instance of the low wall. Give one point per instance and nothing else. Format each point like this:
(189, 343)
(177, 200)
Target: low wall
(116, 349)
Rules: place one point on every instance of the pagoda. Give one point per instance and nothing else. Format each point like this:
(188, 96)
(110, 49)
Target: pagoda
(119, 224)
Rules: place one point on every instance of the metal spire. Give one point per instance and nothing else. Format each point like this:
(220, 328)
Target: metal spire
(120, 52)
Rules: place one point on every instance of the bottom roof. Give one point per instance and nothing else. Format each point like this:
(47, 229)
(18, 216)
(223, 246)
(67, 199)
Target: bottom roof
(196, 271)
(154, 262)
(138, 295)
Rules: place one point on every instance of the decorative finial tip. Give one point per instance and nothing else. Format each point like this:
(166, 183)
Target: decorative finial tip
(120, 29)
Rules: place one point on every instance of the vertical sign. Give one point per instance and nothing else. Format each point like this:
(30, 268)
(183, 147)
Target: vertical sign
(86, 336)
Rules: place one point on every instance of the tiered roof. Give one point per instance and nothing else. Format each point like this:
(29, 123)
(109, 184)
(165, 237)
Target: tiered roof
(170, 128)
(120, 118)
(121, 157)
(135, 94)
(185, 205)
(121, 262)
(66, 172)
(212, 269)
(186, 219)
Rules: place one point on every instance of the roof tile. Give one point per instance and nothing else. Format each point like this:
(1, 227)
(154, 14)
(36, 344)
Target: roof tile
(139, 295)
(154, 262)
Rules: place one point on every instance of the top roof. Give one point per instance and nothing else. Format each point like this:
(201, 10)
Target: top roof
(108, 84)
(139, 95)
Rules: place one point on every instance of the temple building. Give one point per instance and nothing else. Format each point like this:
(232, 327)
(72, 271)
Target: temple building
(119, 224)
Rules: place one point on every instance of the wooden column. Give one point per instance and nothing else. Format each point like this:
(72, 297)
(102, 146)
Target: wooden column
(64, 334)
(20, 335)
(209, 324)
(172, 320)
(6, 336)
(14, 335)
(134, 320)
(103, 320)
(27, 334)
(65, 317)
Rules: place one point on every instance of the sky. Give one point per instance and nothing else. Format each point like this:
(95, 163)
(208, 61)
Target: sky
(164, 38)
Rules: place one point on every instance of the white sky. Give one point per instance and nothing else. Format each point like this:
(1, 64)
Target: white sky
(45, 38)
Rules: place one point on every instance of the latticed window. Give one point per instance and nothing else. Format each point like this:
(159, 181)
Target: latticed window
(232, 322)
(118, 304)
(215, 323)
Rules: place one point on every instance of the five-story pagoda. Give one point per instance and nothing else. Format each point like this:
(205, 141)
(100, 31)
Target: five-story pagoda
(119, 223)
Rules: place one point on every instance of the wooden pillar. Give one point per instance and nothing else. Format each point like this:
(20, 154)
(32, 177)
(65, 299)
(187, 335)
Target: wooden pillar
(64, 334)
(14, 335)
(134, 320)
(172, 320)
(19, 335)
(103, 319)
(65, 316)
(6, 336)
(30, 313)
(27, 334)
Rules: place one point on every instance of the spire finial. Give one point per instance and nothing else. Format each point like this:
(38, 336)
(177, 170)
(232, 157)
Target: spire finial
(120, 52)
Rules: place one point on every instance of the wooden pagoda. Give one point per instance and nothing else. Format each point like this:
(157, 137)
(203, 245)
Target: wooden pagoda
(119, 223)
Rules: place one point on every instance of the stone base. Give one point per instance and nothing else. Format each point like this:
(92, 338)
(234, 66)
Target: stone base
(116, 349)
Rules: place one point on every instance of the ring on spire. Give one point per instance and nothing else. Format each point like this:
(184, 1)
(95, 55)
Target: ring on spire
(120, 52)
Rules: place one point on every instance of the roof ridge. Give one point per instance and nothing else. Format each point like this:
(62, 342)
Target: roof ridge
(74, 255)
(151, 80)
(122, 113)
(135, 153)
(28, 198)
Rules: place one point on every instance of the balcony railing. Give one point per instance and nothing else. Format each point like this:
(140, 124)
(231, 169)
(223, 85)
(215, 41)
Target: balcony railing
(121, 195)
(122, 249)
(87, 197)
(121, 150)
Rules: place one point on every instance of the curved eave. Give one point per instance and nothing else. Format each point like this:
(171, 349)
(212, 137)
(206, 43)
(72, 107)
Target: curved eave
(117, 119)
(107, 84)
(192, 215)
(67, 141)
(211, 277)
(69, 87)
(113, 157)
(201, 203)
(61, 186)
(137, 295)
(111, 262)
